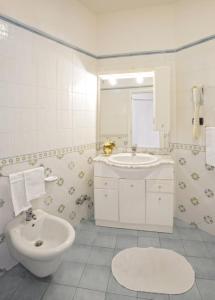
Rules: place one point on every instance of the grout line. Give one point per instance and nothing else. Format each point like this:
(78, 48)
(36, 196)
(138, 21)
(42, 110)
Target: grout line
(85, 265)
(182, 242)
(111, 274)
(198, 289)
(76, 290)
(41, 298)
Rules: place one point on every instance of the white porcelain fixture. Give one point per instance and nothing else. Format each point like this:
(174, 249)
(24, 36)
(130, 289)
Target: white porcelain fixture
(139, 159)
(134, 196)
(39, 244)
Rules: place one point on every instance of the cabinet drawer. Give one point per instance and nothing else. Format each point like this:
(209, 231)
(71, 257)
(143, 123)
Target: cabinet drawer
(159, 209)
(160, 186)
(106, 204)
(105, 183)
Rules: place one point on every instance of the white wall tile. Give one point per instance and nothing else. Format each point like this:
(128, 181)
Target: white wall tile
(45, 91)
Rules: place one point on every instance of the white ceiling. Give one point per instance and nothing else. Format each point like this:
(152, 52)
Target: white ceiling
(106, 6)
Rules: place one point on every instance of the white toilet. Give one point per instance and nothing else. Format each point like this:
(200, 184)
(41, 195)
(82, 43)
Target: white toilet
(39, 244)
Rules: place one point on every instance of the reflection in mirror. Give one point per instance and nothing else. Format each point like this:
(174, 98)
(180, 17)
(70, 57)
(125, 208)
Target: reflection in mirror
(143, 134)
(126, 110)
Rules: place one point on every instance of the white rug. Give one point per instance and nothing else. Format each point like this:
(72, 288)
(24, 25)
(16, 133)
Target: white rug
(153, 270)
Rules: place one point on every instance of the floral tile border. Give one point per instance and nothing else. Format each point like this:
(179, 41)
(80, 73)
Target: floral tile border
(60, 152)
(33, 157)
(191, 147)
(167, 150)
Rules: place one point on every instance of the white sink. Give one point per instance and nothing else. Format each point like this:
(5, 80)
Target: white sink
(135, 160)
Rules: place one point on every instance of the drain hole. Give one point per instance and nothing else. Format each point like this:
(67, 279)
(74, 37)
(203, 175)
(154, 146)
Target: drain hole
(38, 243)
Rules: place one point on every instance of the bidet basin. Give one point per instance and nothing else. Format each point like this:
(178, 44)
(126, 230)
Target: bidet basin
(129, 159)
(39, 244)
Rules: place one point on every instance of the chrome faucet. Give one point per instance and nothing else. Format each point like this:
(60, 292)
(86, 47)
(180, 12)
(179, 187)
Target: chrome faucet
(29, 215)
(134, 150)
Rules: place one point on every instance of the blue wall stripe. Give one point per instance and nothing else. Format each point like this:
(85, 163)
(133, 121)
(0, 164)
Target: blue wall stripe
(104, 56)
(46, 35)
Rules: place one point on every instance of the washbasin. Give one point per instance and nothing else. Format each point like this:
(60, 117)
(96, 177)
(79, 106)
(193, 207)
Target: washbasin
(129, 159)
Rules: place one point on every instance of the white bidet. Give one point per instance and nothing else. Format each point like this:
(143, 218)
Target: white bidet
(39, 244)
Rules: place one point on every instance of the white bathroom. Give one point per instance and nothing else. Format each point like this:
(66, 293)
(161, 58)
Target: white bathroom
(107, 150)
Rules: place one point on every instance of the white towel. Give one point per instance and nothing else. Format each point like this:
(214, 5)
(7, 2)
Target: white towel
(17, 187)
(34, 183)
(210, 146)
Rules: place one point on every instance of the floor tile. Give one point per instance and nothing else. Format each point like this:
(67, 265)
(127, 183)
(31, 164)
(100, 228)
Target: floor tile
(107, 230)
(207, 237)
(115, 288)
(95, 245)
(30, 289)
(21, 272)
(143, 233)
(8, 285)
(57, 292)
(204, 267)
(192, 294)
(101, 256)
(122, 231)
(18, 271)
(69, 273)
(105, 240)
(126, 241)
(173, 235)
(87, 225)
(173, 244)
(152, 296)
(78, 253)
(206, 289)
(148, 242)
(180, 223)
(116, 251)
(85, 237)
(211, 249)
(84, 294)
(118, 297)
(189, 234)
(195, 248)
(95, 278)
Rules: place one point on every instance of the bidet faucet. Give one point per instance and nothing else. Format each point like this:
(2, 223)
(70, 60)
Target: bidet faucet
(29, 215)
(134, 149)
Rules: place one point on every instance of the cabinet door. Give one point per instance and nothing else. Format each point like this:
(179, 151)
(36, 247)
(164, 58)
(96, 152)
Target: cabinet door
(106, 204)
(132, 201)
(159, 209)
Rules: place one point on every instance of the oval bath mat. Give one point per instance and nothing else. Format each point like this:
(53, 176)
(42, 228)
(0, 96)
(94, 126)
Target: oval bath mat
(153, 270)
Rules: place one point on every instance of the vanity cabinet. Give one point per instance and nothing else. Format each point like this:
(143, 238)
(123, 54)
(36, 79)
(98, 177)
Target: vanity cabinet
(159, 195)
(132, 203)
(106, 195)
(159, 209)
(106, 207)
(145, 203)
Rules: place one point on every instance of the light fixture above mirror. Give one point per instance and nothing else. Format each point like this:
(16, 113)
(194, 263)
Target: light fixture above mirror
(139, 76)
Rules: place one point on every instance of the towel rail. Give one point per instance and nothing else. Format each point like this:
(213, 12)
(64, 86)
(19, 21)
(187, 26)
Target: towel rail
(46, 179)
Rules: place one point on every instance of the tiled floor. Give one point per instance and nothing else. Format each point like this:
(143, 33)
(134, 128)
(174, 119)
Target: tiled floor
(85, 273)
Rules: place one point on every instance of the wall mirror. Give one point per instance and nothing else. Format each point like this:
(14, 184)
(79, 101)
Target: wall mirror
(134, 108)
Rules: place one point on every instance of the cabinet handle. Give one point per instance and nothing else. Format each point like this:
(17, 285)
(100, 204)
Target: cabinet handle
(159, 199)
(132, 185)
(160, 187)
(105, 183)
(106, 195)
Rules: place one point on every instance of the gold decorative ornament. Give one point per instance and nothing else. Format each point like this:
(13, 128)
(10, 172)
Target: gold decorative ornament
(108, 147)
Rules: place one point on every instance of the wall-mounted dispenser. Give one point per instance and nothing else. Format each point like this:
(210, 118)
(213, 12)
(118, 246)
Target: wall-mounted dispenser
(197, 97)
